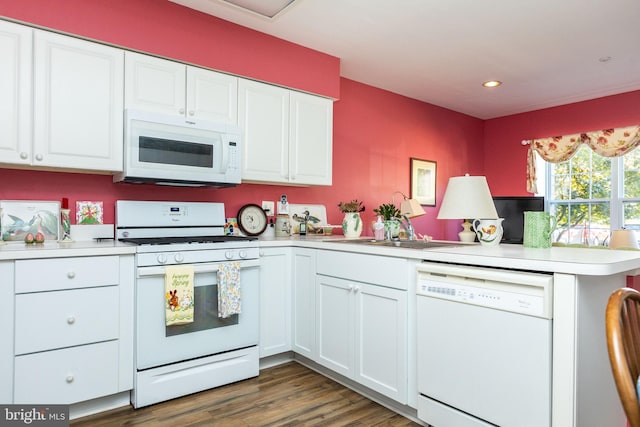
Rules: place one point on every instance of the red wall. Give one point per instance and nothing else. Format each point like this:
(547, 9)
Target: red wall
(504, 155)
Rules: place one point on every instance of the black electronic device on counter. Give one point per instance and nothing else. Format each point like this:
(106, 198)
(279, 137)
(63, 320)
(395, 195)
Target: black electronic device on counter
(512, 209)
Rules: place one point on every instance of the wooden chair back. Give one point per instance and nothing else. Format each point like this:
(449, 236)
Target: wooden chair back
(623, 343)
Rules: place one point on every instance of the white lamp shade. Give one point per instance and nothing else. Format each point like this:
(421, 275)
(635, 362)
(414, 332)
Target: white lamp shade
(411, 208)
(623, 239)
(467, 197)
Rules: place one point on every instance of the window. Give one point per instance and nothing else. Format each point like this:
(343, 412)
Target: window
(590, 195)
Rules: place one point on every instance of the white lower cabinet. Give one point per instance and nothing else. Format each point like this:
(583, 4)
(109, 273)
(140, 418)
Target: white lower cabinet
(362, 333)
(73, 328)
(362, 320)
(275, 301)
(304, 302)
(6, 348)
(67, 375)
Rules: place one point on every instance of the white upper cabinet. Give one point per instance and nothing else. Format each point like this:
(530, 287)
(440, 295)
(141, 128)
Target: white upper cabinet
(78, 104)
(287, 135)
(264, 120)
(310, 138)
(169, 87)
(15, 87)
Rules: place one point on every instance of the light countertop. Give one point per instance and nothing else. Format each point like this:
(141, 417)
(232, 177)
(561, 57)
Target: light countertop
(20, 250)
(582, 261)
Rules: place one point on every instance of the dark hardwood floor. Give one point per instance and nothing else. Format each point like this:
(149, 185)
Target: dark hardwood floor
(284, 395)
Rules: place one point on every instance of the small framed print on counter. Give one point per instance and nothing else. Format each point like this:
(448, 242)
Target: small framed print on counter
(21, 217)
(423, 181)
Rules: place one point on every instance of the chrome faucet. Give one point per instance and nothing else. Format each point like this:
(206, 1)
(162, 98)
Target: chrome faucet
(408, 227)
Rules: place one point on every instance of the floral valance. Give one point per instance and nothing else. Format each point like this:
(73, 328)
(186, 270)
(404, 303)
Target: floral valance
(607, 143)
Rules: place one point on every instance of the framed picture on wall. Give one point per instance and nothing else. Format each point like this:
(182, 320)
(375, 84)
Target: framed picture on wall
(423, 181)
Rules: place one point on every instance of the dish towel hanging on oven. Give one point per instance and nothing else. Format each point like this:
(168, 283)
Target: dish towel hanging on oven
(178, 295)
(229, 301)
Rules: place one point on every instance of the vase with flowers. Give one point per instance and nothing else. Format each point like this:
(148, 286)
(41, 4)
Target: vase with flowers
(391, 217)
(351, 223)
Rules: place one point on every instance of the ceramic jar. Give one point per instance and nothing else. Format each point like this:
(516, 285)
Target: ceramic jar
(489, 231)
(352, 225)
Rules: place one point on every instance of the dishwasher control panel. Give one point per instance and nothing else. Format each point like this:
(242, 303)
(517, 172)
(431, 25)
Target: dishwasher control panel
(523, 292)
(528, 301)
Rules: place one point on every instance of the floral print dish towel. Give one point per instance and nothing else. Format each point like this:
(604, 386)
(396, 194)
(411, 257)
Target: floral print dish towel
(178, 295)
(229, 301)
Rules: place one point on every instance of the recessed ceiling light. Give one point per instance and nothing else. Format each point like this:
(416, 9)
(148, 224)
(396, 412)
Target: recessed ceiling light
(492, 83)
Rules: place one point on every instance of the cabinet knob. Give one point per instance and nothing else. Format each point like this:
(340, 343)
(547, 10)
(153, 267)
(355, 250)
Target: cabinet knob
(191, 113)
(181, 111)
(71, 274)
(71, 320)
(39, 157)
(24, 156)
(357, 289)
(69, 379)
(350, 287)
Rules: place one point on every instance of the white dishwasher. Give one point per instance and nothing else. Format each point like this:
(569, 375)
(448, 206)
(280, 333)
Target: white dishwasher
(484, 346)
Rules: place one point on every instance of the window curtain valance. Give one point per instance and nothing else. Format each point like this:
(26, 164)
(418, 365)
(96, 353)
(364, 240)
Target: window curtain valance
(607, 143)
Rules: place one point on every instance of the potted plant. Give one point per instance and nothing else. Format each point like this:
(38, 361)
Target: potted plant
(391, 217)
(352, 223)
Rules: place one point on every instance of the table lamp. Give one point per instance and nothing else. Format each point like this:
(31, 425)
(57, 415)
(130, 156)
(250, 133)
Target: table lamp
(467, 198)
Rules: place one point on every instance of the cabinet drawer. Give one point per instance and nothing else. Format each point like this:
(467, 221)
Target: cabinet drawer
(375, 269)
(49, 320)
(66, 273)
(67, 376)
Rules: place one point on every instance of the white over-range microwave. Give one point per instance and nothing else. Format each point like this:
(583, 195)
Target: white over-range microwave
(174, 150)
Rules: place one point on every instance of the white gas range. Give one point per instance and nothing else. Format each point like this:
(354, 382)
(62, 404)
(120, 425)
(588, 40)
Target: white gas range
(212, 350)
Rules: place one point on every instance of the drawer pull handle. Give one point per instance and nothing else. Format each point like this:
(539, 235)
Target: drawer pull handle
(69, 379)
(71, 320)
(71, 275)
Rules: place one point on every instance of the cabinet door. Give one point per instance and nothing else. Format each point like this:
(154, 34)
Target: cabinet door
(310, 139)
(304, 302)
(7, 322)
(275, 301)
(381, 338)
(335, 330)
(264, 119)
(15, 87)
(212, 96)
(78, 101)
(154, 84)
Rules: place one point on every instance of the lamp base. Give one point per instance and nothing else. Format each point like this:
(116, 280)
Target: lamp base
(466, 235)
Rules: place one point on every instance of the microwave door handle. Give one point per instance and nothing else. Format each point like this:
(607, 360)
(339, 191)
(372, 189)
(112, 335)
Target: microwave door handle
(198, 268)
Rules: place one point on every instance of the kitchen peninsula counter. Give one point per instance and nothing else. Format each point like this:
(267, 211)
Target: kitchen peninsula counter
(569, 260)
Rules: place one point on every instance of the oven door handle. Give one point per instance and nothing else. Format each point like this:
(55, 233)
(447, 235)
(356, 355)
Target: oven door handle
(198, 268)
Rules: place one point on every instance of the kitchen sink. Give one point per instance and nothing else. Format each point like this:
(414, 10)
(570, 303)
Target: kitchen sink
(407, 244)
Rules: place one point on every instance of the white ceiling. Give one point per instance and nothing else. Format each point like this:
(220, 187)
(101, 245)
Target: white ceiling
(546, 52)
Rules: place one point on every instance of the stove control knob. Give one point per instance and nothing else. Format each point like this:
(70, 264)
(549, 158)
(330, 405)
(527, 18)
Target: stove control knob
(178, 257)
(228, 254)
(162, 259)
(242, 253)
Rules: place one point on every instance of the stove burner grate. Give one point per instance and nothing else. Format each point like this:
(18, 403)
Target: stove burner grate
(185, 239)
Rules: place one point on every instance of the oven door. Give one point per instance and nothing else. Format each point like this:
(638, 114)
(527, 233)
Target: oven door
(158, 344)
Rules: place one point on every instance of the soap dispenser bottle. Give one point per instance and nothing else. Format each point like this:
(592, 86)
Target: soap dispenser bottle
(378, 229)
